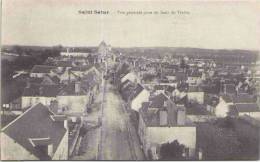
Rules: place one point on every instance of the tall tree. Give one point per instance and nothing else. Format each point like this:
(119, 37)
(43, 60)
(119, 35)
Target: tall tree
(172, 151)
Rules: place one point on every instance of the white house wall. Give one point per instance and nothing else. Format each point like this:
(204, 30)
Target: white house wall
(130, 76)
(222, 108)
(74, 54)
(136, 103)
(251, 114)
(196, 96)
(31, 100)
(62, 151)
(76, 104)
(37, 75)
(200, 118)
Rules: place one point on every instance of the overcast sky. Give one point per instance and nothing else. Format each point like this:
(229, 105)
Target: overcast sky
(233, 25)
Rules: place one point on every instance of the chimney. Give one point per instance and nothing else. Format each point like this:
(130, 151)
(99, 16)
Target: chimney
(163, 117)
(200, 154)
(28, 84)
(181, 116)
(258, 100)
(40, 91)
(69, 73)
(50, 150)
(65, 124)
(77, 87)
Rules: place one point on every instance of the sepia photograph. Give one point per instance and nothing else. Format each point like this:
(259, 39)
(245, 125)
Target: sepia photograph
(128, 80)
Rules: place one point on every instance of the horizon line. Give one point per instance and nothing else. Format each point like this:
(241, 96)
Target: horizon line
(68, 46)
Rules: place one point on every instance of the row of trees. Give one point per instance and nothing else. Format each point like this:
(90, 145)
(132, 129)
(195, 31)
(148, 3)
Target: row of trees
(223, 139)
(28, 57)
(228, 139)
(172, 151)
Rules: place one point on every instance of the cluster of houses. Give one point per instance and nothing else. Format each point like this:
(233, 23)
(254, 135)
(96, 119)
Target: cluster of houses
(71, 87)
(57, 94)
(169, 99)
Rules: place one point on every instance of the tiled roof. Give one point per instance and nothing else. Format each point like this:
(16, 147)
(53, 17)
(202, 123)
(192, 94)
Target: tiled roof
(90, 80)
(194, 74)
(35, 80)
(159, 87)
(212, 101)
(69, 90)
(244, 98)
(81, 68)
(124, 84)
(195, 89)
(42, 69)
(98, 67)
(196, 109)
(123, 69)
(136, 91)
(170, 89)
(227, 98)
(250, 107)
(158, 101)
(230, 88)
(181, 101)
(54, 79)
(149, 77)
(42, 90)
(232, 110)
(64, 63)
(169, 66)
(180, 76)
(35, 123)
(183, 87)
(126, 91)
(209, 88)
(150, 117)
(59, 72)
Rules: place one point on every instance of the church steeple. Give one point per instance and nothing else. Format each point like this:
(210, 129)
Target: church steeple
(103, 43)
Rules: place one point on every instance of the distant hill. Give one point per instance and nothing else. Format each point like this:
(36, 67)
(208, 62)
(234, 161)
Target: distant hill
(219, 55)
(35, 50)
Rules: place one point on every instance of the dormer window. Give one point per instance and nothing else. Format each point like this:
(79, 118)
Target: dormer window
(40, 141)
(43, 144)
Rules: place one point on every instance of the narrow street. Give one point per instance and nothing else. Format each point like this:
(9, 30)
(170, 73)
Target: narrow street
(116, 138)
(119, 140)
(88, 147)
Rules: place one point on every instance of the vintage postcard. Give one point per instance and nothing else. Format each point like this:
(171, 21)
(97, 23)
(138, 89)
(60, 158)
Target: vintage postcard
(130, 80)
